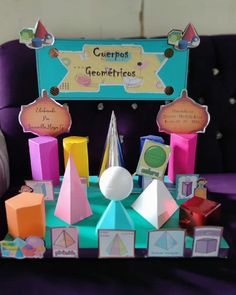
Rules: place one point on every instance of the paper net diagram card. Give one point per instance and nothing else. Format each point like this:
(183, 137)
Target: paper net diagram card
(185, 185)
(166, 243)
(65, 242)
(44, 187)
(116, 243)
(153, 159)
(207, 241)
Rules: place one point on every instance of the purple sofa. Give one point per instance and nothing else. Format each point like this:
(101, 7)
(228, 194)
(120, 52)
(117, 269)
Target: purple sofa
(211, 81)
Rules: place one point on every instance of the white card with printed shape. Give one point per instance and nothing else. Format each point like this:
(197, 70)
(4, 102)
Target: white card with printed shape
(207, 241)
(116, 243)
(166, 243)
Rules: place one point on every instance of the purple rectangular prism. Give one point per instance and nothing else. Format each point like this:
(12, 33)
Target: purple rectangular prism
(183, 154)
(44, 159)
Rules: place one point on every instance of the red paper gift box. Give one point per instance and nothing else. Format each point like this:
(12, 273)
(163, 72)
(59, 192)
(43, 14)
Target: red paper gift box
(198, 212)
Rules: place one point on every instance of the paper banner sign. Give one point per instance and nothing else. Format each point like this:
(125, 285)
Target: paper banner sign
(183, 115)
(112, 69)
(36, 37)
(45, 116)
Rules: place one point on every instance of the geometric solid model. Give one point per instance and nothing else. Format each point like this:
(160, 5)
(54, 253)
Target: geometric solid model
(155, 204)
(183, 154)
(77, 146)
(182, 118)
(72, 205)
(116, 183)
(44, 158)
(199, 212)
(26, 215)
(115, 217)
(112, 151)
(166, 241)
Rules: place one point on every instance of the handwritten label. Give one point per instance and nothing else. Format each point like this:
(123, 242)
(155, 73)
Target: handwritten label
(65, 242)
(45, 117)
(183, 116)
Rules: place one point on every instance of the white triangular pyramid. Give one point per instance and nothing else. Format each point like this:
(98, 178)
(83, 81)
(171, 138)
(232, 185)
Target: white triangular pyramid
(155, 204)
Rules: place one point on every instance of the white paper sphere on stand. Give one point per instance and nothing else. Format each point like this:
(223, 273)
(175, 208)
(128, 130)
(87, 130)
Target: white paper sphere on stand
(116, 183)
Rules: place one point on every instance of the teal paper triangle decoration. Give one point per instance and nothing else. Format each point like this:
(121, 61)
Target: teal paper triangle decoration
(115, 217)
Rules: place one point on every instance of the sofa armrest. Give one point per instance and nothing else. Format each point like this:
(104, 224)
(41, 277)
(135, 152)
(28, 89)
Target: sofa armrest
(4, 166)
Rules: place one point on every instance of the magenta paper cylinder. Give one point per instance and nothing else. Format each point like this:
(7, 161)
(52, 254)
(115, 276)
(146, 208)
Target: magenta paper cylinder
(44, 158)
(183, 154)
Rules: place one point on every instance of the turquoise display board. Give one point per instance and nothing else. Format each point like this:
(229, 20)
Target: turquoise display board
(140, 69)
(88, 238)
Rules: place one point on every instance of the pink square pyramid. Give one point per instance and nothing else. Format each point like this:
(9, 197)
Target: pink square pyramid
(72, 204)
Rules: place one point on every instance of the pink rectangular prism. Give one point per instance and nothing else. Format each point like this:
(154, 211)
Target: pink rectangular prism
(183, 154)
(44, 158)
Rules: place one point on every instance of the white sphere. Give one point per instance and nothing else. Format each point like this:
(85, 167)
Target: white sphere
(116, 183)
